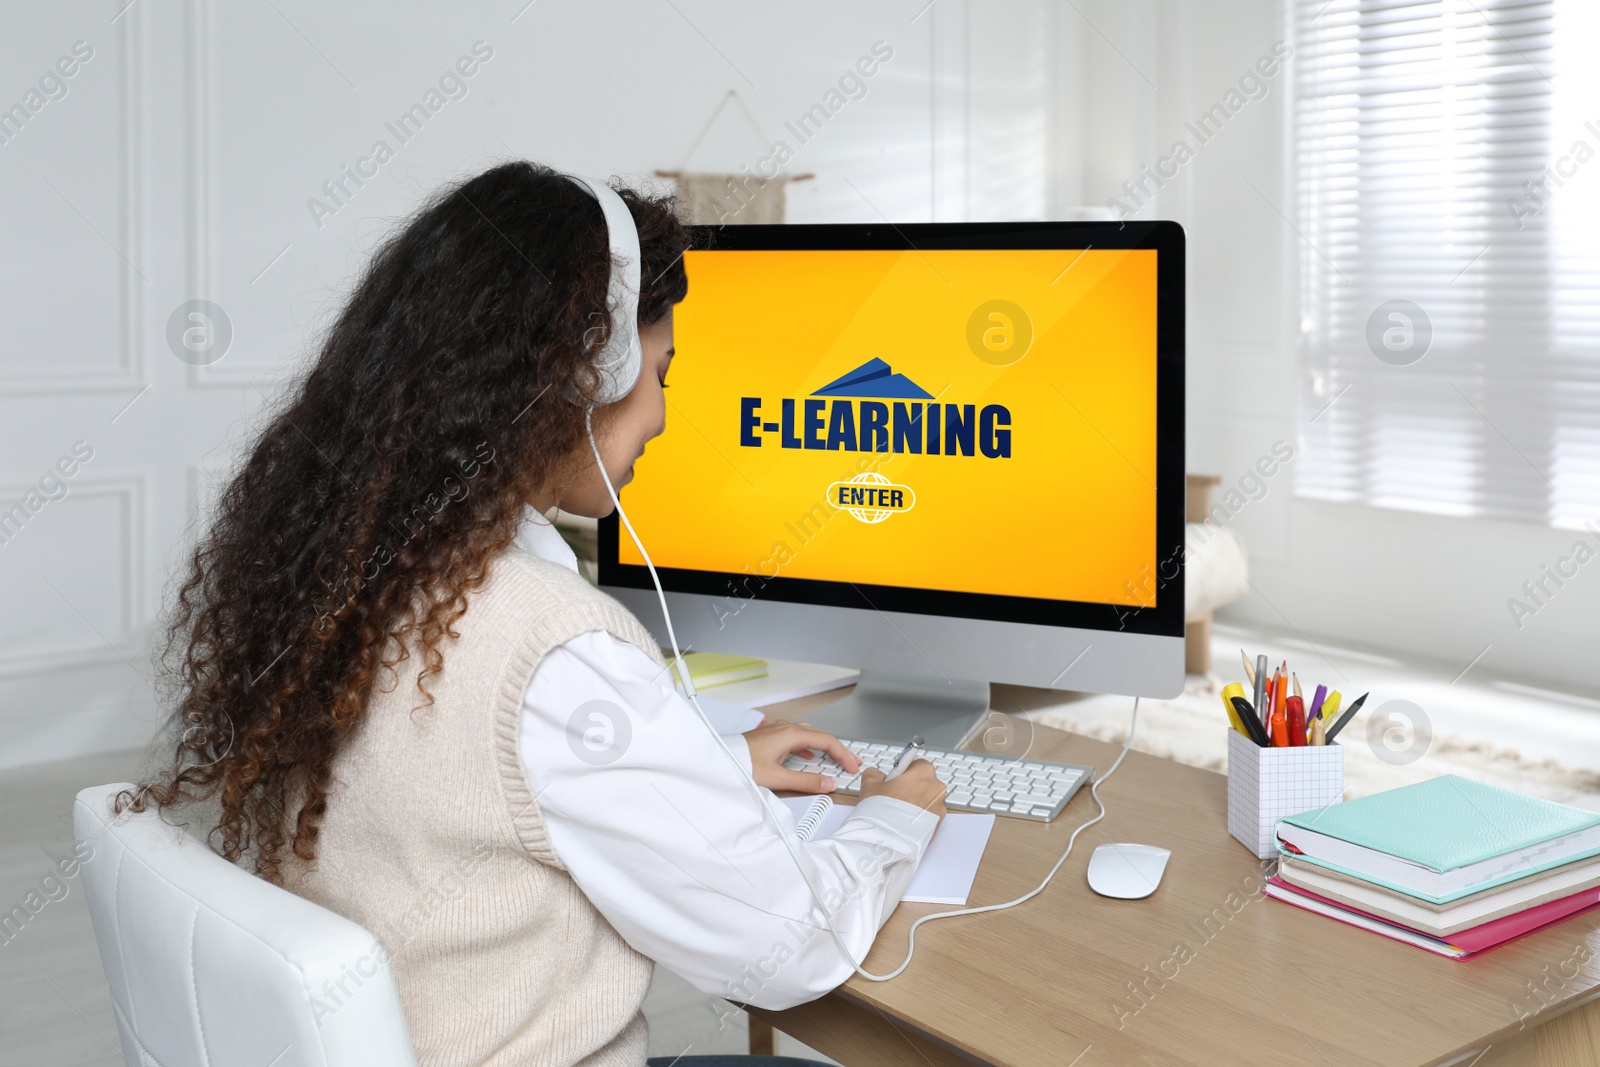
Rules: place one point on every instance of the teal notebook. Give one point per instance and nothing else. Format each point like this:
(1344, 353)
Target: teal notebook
(1442, 839)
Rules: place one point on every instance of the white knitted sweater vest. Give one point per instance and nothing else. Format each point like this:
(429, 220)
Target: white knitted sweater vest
(434, 843)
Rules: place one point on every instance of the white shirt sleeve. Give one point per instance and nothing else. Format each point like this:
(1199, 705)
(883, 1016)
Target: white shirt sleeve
(665, 836)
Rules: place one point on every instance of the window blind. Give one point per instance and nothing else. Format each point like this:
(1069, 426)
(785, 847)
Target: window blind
(1449, 253)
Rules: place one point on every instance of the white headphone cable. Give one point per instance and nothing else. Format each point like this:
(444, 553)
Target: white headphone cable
(682, 671)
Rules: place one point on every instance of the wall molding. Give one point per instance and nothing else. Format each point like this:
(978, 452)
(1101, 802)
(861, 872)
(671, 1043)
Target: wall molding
(199, 53)
(130, 643)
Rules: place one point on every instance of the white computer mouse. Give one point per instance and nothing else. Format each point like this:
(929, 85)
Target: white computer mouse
(1127, 871)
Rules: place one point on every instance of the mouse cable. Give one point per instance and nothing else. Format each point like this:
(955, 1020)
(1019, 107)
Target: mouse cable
(1094, 787)
(682, 670)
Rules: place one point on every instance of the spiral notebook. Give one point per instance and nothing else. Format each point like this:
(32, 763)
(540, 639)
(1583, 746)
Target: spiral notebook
(948, 866)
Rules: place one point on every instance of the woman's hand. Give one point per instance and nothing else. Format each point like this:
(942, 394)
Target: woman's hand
(773, 742)
(917, 784)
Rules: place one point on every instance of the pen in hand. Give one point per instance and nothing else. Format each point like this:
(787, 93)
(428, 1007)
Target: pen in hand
(913, 749)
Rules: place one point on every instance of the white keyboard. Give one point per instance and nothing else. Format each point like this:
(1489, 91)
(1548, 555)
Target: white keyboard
(1026, 789)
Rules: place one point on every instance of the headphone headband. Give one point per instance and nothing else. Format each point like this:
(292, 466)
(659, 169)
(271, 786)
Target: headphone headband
(622, 359)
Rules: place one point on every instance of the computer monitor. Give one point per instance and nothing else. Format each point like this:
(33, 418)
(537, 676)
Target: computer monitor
(947, 454)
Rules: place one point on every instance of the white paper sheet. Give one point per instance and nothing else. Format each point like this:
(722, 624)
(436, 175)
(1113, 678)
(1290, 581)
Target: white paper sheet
(948, 867)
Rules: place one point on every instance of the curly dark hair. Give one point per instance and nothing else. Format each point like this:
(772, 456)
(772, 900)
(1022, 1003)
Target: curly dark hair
(446, 395)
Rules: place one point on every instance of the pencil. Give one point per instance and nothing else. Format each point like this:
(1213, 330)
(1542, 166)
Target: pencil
(1297, 692)
(1249, 671)
(1347, 716)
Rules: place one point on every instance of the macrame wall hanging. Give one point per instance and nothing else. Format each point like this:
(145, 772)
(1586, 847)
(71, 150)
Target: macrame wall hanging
(756, 193)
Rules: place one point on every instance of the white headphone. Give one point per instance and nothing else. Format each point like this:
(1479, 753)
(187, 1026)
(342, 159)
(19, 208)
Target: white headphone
(622, 359)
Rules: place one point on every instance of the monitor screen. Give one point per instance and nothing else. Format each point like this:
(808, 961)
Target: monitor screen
(952, 431)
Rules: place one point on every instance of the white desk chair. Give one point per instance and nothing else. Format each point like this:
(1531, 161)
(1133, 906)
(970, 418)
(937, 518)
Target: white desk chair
(211, 966)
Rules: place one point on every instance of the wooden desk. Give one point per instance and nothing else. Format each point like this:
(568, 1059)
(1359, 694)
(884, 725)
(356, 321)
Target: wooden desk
(1207, 971)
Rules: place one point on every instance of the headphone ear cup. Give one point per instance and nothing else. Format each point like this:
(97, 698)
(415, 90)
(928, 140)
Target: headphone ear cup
(617, 367)
(621, 361)
(619, 370)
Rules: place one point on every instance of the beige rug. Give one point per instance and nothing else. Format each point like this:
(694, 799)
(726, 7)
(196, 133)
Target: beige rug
(1193, 729)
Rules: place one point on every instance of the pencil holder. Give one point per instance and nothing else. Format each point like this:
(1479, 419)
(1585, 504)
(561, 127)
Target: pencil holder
(1268, 784)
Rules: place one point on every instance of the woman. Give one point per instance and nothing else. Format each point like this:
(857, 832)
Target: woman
(387, 668)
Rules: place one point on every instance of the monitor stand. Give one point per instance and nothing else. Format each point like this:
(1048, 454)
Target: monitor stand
(890, 708)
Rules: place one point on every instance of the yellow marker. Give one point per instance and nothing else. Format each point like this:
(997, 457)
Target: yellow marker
(1330, 707)
(1233, 689)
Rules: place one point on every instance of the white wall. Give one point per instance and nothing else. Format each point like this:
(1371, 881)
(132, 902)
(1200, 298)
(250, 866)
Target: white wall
(180, 161)
(1418, 584)
(179, 165)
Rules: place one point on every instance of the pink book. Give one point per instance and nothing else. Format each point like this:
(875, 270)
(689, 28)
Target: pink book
(1458, 945)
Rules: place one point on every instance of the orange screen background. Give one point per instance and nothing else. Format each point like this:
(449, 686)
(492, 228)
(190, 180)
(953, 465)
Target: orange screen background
(1071, 515)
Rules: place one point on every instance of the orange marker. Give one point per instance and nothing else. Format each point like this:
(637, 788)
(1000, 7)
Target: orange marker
(1280, 729)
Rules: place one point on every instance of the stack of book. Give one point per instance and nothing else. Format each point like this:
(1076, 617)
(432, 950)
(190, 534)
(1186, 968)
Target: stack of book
(1450, 865)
